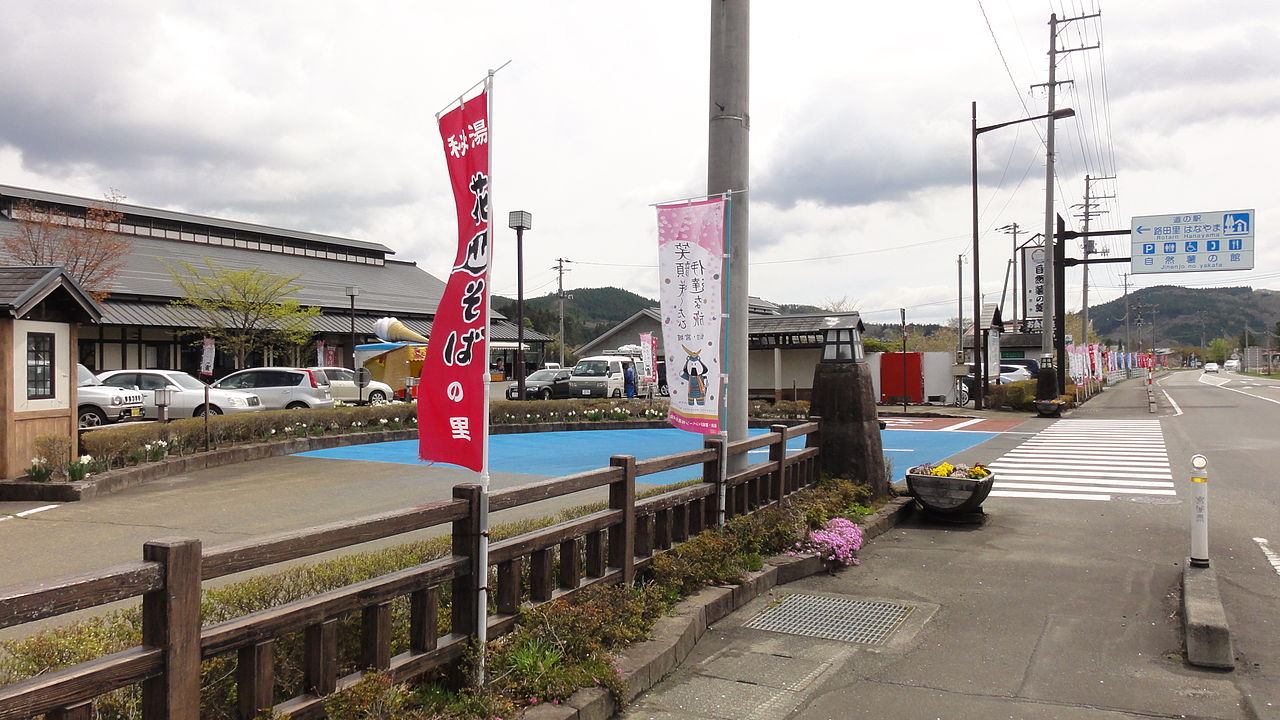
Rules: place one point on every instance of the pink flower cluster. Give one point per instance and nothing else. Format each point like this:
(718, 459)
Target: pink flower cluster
(837, 541)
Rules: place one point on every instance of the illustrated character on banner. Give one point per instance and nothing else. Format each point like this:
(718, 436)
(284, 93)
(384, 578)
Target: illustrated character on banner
(695, 373)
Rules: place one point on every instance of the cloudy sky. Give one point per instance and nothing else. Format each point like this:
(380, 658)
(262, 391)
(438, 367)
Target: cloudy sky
(320, 116)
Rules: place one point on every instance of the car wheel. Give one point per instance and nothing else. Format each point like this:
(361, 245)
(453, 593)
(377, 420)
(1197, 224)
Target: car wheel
(377, 397)
(213, 410)
(546, 394)
(92, 417)
(617, 393)
(664, 391)
(296, 406)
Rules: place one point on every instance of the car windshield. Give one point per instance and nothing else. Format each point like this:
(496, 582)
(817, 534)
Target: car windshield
(185, 381)
(591, 368)
(85, 377)
(542, 376)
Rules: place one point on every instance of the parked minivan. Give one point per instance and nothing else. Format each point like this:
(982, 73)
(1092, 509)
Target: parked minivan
(1231, 366)
(282, 388)
(601, 376)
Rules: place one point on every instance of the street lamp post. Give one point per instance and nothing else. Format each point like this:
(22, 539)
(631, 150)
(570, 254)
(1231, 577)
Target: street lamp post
(979, 347)
(352, 292)
(520, 220)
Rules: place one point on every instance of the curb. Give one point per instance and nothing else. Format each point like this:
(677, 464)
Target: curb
(1204, 621)
(645, 664)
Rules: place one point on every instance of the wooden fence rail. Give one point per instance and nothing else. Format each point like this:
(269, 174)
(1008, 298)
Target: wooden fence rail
(607, 546)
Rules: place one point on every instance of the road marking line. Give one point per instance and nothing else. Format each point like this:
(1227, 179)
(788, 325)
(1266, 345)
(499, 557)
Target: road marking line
(1272, 556)
(1015, 477)
(1171, 402)
(1048, 495)
(28, 513)
(1054, 472)
(1049, 486)
(957, 426)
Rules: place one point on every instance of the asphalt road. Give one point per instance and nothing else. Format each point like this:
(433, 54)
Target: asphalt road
(1063, 604)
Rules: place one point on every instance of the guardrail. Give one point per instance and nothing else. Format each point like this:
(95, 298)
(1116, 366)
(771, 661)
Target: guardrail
(608, 546)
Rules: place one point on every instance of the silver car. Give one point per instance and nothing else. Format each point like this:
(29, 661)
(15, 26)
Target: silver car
(97, 404)
(342, 384)
(187, 396)
(282, 388)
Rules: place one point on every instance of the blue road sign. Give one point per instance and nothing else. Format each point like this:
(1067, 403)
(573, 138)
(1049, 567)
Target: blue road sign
(1173, 243)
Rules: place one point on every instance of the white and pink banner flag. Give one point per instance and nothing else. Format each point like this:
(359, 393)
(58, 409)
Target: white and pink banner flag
(649, 354)
(690, 276)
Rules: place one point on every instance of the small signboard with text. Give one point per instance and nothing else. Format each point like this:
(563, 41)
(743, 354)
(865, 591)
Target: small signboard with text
(1192, 242)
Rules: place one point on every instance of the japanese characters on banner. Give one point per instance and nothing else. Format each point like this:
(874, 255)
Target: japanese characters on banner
(690, 276)
(451, 396)
(649, 354)
(206, 357)
(1033, 287)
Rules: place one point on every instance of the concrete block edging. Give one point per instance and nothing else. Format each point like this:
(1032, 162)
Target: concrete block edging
(645, 664)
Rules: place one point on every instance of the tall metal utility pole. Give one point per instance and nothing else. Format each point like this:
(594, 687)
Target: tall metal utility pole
(1013, 229)
(728, 145)
(1087, 214)
(1127, 346)
(1049, 334)
(560, 294)
(960, 308)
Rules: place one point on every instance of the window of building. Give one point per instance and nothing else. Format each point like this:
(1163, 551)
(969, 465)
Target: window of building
(39, 366)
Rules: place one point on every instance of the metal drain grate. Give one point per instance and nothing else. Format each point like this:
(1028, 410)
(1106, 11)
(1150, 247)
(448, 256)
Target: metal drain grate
(833, 618)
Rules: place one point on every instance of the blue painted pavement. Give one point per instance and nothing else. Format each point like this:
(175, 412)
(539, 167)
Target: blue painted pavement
(563, 453)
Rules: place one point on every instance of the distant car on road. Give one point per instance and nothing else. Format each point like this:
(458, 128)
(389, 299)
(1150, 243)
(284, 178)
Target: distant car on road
(1211, 367)
(282, 388)
(542, 385)
(98, 404)
(342, 384)
(1231, 366)
(187, 398)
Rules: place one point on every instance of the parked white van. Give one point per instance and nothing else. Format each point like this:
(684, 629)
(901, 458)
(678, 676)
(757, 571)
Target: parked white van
(602, 376)
(1231, 366)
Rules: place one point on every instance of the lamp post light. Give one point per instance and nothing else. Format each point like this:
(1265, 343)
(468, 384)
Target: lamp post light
(520, 220)
(352, 292)
(979, 348)
(164, 396)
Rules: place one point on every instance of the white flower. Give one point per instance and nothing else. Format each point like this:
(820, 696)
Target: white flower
(273, 431)
(86, 459)
(147, 447)
(382, 421)
(37, 461)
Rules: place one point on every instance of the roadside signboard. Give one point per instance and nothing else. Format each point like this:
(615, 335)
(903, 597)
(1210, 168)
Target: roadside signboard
(1192, 242)
(1033, 286)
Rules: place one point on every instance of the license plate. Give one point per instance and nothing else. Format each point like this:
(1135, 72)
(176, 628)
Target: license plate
(586, 392)
(135, 412)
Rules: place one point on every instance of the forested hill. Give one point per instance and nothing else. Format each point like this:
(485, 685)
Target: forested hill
(588, 313)
(1186, 316)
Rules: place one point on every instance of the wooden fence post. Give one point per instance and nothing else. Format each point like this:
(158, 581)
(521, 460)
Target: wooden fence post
(622, 539)
(715, 510)
(778, 454)
(466, 542)
(171, 622)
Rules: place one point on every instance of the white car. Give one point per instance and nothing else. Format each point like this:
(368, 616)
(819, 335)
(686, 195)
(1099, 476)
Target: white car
(1211, 367)
(98, 404)
(1014, 373)
(342, 383)
(187, 396)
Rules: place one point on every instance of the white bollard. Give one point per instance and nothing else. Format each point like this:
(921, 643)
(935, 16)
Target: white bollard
(1199, 511)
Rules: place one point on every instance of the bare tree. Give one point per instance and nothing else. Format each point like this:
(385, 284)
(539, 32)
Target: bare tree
(842, 304)
(88, 246)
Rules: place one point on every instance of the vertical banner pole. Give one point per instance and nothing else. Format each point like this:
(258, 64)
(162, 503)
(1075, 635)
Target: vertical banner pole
(482, 561)
(725, 295)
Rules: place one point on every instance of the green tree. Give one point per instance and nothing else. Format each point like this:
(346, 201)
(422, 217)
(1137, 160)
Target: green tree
(1218, 350)
(244, 311)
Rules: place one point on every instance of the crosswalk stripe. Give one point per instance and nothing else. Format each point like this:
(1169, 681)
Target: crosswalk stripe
(1087, 460)
(1048, 495)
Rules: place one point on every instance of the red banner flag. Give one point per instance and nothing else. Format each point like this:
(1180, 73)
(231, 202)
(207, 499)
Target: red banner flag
(451, 397)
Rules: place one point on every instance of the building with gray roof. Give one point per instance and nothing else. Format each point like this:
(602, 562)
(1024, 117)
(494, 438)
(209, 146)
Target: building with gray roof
(142, 327)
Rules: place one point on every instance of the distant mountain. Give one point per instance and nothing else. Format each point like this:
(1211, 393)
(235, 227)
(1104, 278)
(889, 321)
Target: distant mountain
(1188, 316)
(587, 314)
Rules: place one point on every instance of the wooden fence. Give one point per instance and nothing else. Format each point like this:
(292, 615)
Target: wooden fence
(615, 543)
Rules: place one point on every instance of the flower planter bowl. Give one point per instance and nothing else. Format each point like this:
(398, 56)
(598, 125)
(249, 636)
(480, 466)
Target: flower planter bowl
(943, 495)
(1049, 408)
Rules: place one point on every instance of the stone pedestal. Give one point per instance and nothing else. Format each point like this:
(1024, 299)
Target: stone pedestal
(844, 398)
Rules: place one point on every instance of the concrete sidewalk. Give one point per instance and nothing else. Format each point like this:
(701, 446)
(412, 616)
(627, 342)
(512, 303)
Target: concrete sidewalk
(1051, 609)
